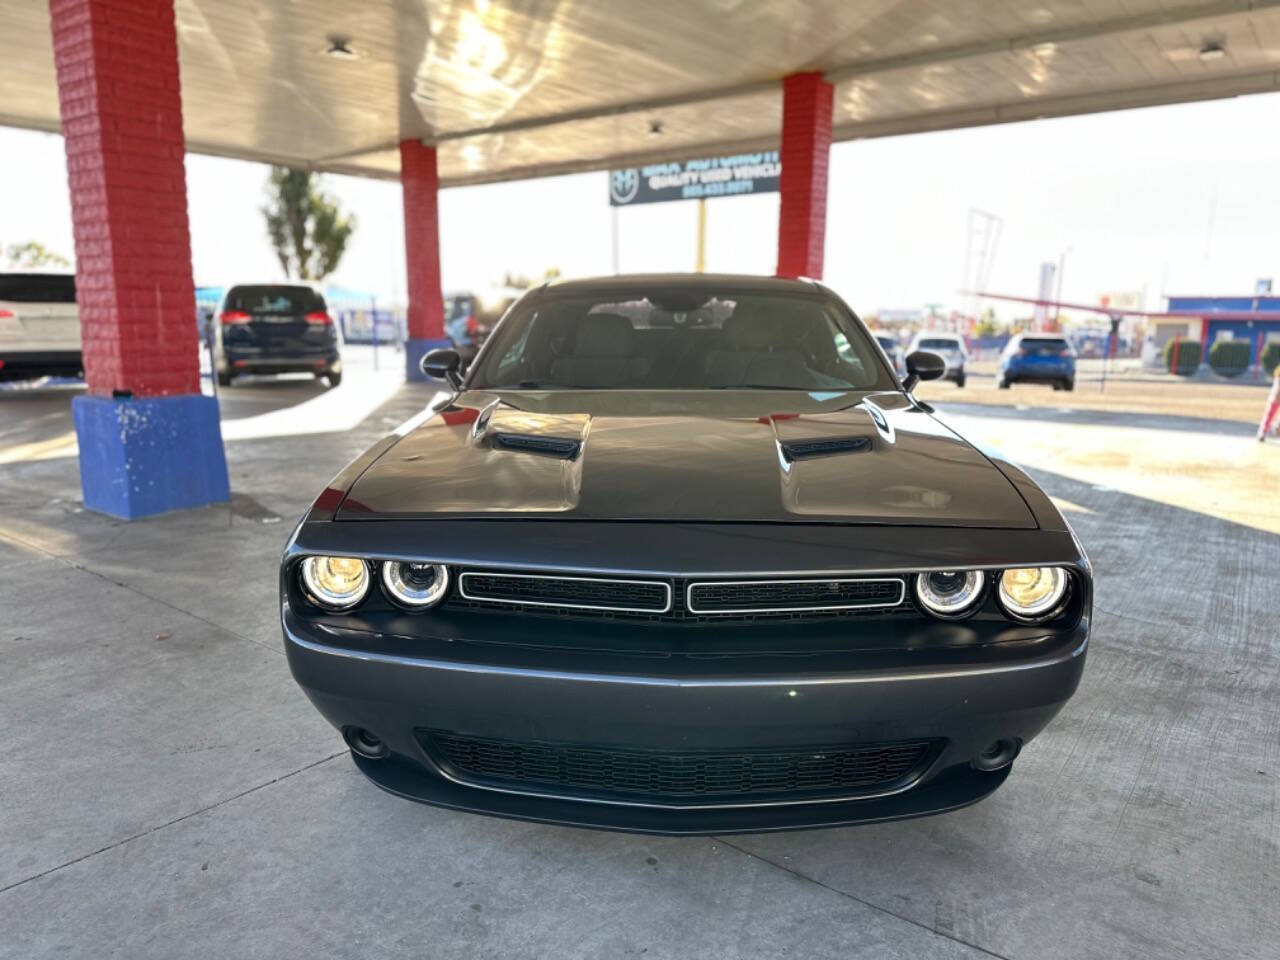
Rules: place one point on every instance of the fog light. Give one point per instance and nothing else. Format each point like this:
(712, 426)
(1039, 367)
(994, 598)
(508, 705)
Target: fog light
(950, 593)
(337, 583)
(998, 754)
(365, 743)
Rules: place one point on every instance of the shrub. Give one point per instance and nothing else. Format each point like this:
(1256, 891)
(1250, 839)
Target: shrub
(1188, 356)
(1229, 358)
(1271, 357)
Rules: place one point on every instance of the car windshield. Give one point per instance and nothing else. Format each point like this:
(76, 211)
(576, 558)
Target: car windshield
(680, 338)
(938, 343)
(274, 299)
(887, 342)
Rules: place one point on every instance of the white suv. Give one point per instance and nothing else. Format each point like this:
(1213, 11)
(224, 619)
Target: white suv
(39, 326)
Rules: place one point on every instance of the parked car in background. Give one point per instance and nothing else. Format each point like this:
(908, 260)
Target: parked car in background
(949, 346)
(893, 350)
(39, 326)
(275, 328)
(469, 316)
(1038, 358)
(680, 555)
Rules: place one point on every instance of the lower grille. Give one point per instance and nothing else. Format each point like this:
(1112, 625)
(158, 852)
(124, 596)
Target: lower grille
(694, 778)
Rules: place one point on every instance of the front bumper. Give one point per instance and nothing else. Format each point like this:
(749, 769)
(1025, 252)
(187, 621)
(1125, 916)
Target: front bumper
(963, 698)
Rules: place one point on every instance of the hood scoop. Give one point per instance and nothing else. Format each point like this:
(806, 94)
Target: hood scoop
(562, 448)
(793, 450)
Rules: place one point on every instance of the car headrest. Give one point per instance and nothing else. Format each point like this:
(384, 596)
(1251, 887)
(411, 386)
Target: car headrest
(604, 335)
(756, 326)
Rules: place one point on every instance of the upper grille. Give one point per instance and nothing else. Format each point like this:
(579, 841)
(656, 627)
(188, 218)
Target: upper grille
(705, 778)
(680, 600)
(755, 596)
(579, 593)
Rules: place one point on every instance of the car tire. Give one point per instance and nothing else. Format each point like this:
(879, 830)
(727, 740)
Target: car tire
(224, 379)
(1068, 384)
(1003, 384)
(333, 378)
(1057, 385)
(960, 382)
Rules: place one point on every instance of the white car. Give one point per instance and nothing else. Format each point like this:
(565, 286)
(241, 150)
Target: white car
(949, 346)
(39, 326)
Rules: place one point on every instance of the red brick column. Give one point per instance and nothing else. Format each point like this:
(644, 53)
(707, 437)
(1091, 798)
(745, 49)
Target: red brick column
(420, 186)
(149, 441)
(805, 152)
(117, 65)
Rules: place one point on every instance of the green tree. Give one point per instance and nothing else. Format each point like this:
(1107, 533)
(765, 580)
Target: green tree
(33, 254)
(306, 227)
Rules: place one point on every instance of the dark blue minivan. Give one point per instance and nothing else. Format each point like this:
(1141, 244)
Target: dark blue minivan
(1038, 358)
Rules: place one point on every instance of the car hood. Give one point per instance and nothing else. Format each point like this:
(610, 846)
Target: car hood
(780, 456)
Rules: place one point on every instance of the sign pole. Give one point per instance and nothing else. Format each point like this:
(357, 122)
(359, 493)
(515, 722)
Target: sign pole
(614, 231)
(702, 235)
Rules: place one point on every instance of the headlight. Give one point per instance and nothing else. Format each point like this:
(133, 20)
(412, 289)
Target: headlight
(337, 583)
(950, 593)
(416, 585)
(1032, 593)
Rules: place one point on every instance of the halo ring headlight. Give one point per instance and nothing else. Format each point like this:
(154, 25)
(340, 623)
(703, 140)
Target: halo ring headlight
(336, 583)
(415, 585)
(1032, 593)
(950, 594)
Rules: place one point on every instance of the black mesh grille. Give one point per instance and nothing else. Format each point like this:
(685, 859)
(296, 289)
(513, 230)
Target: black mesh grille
(780, 595)
(641, 596)
(690, 777)
(645, 600)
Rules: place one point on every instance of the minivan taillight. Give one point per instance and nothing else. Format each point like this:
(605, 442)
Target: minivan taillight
(319, 318)
(230, 318)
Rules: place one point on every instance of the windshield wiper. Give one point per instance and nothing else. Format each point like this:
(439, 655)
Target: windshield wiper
(761, 386)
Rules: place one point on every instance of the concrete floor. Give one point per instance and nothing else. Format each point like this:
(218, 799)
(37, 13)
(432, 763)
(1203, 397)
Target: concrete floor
(166, 791)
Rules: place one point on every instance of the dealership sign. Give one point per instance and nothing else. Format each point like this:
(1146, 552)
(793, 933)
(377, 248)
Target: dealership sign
(741, 173)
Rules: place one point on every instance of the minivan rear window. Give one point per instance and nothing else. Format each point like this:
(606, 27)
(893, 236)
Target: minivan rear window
(272, 298)
(1044, 343)
(938, 343)
(38, 287)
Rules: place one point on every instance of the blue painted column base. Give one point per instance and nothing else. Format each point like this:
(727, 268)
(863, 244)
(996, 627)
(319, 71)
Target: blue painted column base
(414, 350)
(145, 455)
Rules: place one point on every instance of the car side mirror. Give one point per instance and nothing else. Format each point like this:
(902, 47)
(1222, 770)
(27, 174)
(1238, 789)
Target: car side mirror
(443, 364)
(923, 365)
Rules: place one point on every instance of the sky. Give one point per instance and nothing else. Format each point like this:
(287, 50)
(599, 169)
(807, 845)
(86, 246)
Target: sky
(1175, 199)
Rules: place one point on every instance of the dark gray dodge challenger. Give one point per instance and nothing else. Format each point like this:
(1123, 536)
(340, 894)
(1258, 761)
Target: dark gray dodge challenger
(681, 554)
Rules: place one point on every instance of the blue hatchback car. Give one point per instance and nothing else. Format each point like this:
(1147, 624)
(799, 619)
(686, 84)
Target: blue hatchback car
(1038, 358)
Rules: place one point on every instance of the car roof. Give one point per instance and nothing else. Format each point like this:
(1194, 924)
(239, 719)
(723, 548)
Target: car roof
(711, 281)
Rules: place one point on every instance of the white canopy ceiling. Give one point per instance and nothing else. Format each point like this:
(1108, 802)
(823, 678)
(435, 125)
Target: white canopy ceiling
(522, 88)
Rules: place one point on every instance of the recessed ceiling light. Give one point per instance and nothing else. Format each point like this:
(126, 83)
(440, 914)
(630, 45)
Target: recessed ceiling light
(340, 48)
(1212, 51)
